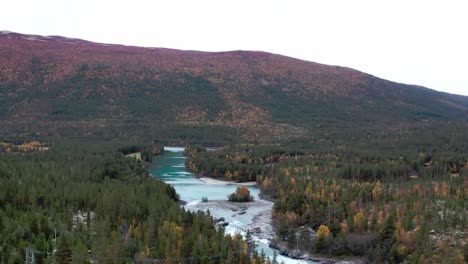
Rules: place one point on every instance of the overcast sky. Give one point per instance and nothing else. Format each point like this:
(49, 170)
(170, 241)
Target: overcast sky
(416, 42)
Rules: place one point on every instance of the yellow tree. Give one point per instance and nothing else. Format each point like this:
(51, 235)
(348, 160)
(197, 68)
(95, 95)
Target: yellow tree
(309, 192)
(359, 221)
(376, 191)
(322, 235)
(344, 227)
(445, 189)
(323, 232)
(436, 189)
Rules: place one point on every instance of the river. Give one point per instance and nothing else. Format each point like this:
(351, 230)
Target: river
(255, 216)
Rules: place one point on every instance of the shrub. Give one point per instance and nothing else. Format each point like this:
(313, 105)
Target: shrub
(242, 194)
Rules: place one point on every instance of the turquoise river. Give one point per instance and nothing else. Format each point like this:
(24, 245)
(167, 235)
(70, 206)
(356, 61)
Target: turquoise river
(255, 216)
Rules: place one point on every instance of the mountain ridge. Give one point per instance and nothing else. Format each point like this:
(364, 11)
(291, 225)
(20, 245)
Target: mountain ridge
(56, 79)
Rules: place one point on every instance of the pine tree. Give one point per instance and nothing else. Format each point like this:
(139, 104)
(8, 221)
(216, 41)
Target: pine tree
(387, 235)
(262, 256)
(64, 253)
(275, 257)
(250, 243)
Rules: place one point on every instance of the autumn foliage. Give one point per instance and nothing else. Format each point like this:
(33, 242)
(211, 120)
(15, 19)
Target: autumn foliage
(242, 194)
(357, 204)
(54, 85)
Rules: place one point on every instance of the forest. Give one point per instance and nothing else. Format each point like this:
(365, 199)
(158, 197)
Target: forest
(355, 164)
(85, 202)
(387, 207)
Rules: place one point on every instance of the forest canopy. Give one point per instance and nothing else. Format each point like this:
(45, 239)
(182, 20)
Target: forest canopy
(86, 202)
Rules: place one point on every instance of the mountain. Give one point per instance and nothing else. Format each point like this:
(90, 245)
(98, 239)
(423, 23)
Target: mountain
(52, 85)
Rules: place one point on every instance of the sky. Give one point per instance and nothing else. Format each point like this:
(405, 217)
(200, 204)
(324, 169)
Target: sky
(412, 41)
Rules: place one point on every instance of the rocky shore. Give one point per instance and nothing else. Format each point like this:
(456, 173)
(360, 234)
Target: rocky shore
(283, 250)
(220, 182)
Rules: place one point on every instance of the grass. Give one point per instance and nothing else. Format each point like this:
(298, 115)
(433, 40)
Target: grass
(136, 155)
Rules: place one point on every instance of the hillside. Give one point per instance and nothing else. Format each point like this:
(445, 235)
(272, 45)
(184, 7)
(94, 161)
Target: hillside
(56, 86)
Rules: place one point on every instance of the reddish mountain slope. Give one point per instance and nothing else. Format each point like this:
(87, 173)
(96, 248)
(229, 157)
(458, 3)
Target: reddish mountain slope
(58, 80)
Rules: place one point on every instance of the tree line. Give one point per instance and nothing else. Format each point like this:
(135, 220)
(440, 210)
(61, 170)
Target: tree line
(382, 206)
(80, 203)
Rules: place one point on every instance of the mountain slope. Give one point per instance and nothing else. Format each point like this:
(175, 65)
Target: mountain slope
(55, 83)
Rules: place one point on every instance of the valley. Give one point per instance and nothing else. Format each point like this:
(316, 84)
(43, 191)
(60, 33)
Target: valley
(345, 164)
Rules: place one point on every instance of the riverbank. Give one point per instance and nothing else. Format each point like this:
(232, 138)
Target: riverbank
(222, 182)
(236, 217)
(283, 250)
